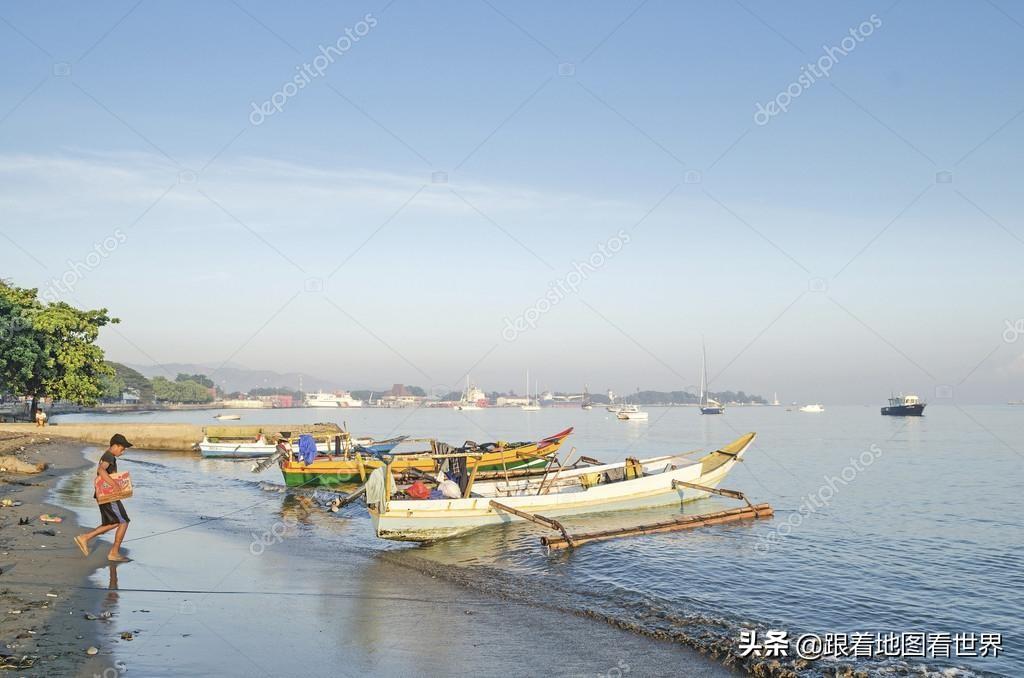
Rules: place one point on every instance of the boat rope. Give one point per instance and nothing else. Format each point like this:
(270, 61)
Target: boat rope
(317, 594)
(211, 519)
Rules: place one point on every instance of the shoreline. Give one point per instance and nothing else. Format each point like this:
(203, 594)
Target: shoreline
(34, 565)
(44, 583)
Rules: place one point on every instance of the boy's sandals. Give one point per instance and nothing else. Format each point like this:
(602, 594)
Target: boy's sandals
(119, 559)
(82, 545)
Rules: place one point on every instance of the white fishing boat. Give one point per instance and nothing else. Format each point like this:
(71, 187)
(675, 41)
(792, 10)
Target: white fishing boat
(337, 399)
(815, 408)
(631, 413)
(227, 417)
(260, 448)
(628, 485)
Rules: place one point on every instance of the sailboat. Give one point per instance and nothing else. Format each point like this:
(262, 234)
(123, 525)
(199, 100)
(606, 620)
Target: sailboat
(532, 405)
(586, 403)
(708, 405)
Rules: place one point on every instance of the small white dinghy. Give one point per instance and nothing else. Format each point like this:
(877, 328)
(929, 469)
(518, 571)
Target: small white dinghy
(629, 485)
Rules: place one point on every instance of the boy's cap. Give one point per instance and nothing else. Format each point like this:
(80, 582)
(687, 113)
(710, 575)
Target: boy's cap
(119, 439)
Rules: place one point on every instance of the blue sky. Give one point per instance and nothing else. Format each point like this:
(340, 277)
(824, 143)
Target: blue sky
(818, 253)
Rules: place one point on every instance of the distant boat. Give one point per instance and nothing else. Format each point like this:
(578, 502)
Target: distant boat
(470, 399)
(708, 405)
(904, 406)
(812, 408)
(339, 399)
(586, 403)
(1015, 402)
(228, 417)
(532, 404)
(631, 413)
(775, 400)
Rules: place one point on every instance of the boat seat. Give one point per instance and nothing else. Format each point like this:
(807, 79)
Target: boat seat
(615, 475)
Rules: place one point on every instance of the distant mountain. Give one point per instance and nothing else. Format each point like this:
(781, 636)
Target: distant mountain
(231, 378)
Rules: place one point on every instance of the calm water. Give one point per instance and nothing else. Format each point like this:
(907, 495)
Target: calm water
(923, 533)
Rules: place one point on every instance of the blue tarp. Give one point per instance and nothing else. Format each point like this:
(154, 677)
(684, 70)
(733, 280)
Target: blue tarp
(307, 448)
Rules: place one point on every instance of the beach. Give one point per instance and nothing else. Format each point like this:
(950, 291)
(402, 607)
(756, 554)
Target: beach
(203, 600)
(44, 577)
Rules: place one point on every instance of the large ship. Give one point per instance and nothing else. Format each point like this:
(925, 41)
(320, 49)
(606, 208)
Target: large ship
(904, 406)
(336, 399)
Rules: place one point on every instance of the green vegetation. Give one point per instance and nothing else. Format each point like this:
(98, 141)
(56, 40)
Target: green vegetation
(182, 390)
(123, 378)
(49, 350)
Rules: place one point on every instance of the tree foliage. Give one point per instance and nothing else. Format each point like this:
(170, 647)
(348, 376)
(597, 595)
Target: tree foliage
(49, 349)
(123, 378)
(183, 391)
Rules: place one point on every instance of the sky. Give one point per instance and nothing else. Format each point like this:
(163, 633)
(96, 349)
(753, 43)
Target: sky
(827, 196)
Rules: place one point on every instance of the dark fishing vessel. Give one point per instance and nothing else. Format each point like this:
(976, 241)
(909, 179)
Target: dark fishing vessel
(904, 406)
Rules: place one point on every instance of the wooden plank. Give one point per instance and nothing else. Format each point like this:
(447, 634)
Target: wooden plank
(472, 477)
(732, 494)
(681, 523)
(537, 519)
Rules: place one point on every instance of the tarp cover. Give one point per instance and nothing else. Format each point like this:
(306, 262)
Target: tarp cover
(307, 448)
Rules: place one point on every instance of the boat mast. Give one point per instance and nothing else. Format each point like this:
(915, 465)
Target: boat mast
(703, 374)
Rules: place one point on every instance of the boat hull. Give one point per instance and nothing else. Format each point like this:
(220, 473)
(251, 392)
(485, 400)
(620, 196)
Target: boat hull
(712, 410)
(903, 410)
(245, 450)
(431, 520)
(326, 472)
(346, 472)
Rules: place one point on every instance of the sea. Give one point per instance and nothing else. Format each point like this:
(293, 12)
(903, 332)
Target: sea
(906, 528)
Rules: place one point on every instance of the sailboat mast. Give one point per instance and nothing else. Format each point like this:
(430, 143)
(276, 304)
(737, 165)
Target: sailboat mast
(703, 373)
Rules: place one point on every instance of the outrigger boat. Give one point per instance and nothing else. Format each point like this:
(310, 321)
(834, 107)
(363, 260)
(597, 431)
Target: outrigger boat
(628, 485)
(252, 442)
(355, 465)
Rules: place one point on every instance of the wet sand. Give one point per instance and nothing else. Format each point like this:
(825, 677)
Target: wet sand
(43, 603)
(198, 600)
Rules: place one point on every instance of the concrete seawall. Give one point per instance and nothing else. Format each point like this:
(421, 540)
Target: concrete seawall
(143, 436)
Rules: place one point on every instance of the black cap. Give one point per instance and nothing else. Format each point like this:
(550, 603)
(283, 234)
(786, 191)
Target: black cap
(119, 439)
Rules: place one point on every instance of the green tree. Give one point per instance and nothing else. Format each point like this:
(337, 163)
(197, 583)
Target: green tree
(50, 349)
(125, 378)
(185, 391)
(198, 378)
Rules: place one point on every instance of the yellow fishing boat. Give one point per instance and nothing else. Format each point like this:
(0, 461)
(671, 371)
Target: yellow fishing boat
(354, 467)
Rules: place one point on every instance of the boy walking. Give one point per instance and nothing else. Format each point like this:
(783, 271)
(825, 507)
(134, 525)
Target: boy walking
(112, 515)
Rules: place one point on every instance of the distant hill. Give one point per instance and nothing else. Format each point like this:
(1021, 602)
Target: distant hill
(231, 378)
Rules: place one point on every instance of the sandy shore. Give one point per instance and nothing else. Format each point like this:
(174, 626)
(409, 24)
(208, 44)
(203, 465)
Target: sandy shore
(371, 616)
(44, 580)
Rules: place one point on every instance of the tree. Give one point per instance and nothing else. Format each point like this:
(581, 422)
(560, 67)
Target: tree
(124, 378)
(50, 349)
(184, 391)
(198, 378)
